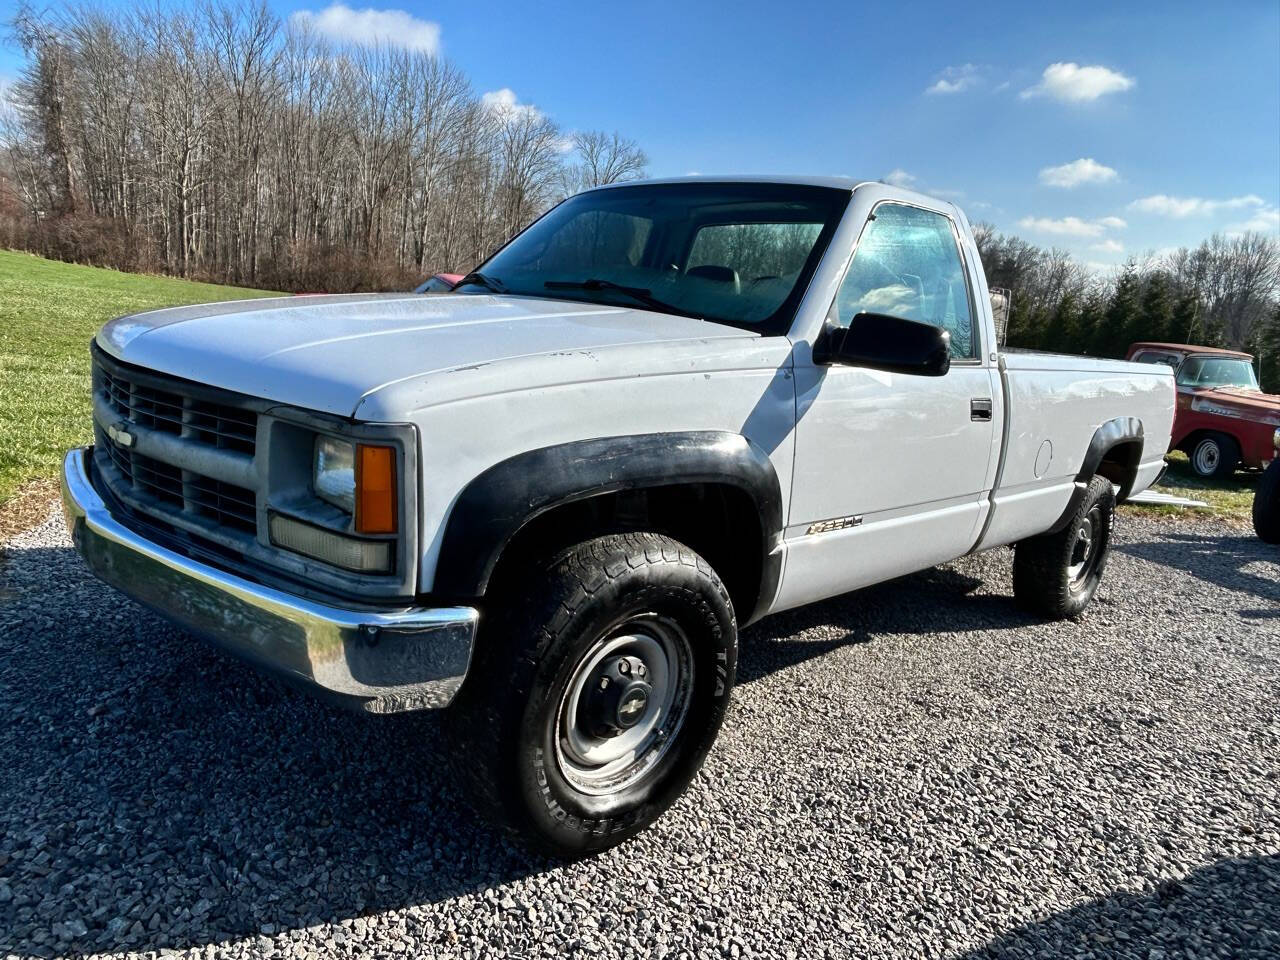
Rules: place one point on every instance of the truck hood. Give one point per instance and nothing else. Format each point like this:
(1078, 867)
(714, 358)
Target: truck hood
(370, 355)
(1236, 401)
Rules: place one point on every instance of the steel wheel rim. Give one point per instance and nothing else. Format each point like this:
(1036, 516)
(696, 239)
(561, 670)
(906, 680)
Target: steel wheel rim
(1085, 550)
(1207, 457)
(598, 765)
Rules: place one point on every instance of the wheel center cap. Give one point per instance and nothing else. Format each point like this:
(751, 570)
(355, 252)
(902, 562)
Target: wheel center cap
(619, 698)
(634, 703)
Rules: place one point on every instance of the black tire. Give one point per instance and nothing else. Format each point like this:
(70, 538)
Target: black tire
(1215, 456)
(1056, 575)
(513, 721)
(1266, 504)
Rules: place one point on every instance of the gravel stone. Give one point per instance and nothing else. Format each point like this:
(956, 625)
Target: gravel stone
(914, 770)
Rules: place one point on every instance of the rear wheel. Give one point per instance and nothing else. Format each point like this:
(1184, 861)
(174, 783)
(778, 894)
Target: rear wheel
(1057, 574)
(1266, 504)
(1215, 456)
(597, 691)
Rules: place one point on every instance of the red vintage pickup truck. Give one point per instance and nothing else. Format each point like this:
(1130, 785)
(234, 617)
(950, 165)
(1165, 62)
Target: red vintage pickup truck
(1223, 419)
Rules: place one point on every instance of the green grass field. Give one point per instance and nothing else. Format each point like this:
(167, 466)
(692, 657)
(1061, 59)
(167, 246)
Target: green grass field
(50, 310)
(48, 313)
(1231, 499)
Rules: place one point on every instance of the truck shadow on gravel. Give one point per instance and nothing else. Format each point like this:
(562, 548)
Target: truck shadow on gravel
(1223, 560)
(914, 604)
(1232, 906)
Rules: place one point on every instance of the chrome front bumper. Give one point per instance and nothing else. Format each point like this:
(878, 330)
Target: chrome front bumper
(380, 662)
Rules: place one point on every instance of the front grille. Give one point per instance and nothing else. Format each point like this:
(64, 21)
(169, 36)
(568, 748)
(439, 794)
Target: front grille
(222, 503)
(170, 411)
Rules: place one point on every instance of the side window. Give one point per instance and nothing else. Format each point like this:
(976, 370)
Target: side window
(908, 265)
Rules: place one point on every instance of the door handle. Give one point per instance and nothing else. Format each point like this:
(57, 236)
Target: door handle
(980, 409)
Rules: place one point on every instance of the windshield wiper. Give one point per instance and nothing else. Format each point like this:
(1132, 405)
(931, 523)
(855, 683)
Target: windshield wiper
(482, 280)
(641, 294)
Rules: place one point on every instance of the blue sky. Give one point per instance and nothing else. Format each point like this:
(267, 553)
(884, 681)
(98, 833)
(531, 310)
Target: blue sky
(1109, 129)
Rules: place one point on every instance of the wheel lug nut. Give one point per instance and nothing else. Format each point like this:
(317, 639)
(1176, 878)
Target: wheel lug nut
(624, 667)
(604, 683)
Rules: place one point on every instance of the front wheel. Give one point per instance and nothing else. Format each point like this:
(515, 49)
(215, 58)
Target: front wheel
(1056, 575)
(1215, 456)
(597, 691)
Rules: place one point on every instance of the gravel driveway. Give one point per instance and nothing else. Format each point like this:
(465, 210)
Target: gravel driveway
(917, 770)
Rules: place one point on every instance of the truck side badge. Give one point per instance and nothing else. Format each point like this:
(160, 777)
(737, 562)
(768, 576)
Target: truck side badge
(839, 523)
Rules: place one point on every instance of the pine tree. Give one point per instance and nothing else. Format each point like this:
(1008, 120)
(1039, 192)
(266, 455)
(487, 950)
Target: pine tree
(1184, 324)
(1062, 332)
(1155, 316)
(1123, 315)
(1266, 347)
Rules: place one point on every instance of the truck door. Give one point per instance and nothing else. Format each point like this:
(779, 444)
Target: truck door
(892, 471)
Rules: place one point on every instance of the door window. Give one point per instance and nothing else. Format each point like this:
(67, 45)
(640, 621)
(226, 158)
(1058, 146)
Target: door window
(908, 265)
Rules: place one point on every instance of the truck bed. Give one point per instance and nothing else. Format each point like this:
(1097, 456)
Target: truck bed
(1055, 403)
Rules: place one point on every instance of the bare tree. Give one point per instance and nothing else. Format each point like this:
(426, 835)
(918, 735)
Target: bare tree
(605, 158)
(216, 141)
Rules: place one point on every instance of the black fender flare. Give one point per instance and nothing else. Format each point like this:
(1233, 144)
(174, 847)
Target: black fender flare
(1106, 438)
(497, 503)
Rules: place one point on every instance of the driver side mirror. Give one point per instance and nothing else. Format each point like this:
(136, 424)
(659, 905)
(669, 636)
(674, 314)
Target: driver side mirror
(881, 342)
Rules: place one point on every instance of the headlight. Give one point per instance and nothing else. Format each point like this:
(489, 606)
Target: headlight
(360, 479)
(334, 477)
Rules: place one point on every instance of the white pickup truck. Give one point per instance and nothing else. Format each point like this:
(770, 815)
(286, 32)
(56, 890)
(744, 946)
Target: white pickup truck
(551, 498)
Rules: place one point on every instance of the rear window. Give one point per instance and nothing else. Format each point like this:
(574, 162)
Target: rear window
(1151, 356)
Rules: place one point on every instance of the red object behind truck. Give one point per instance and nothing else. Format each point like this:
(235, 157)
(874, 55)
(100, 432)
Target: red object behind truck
(1223, 420)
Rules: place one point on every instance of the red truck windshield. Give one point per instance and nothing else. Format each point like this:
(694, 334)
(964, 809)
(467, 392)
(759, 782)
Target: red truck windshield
(1217, 372)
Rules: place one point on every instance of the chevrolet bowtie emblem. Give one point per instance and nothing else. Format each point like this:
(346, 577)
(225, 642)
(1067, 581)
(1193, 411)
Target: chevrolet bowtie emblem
(119, 435)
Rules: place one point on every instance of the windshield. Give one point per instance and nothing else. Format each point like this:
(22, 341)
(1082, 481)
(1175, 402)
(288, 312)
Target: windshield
(735, 253)
(1217, 372)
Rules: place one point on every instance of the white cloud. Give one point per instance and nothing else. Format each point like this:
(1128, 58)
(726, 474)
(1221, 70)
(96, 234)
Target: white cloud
(1096, 266)
(1182, 207)
(956, 79)
(1084, 170)
(397, 28)
(1265, 220)
(504, 103)
(1072, 83)
(899, 178)
(1071, 226)
(1108, 246)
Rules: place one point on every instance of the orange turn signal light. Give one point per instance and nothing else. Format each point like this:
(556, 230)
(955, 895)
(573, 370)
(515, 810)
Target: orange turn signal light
(375, 489)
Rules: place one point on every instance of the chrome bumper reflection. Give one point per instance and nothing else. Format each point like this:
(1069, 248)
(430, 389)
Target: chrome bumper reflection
(412, 659)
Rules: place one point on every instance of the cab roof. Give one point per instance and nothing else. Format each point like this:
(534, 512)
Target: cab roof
(1189, 348)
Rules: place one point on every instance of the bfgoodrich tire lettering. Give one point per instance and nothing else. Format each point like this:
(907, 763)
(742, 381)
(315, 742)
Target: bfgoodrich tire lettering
(1057, 574)
(511, 721)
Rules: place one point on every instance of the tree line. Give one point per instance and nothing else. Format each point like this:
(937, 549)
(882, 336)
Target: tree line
(1223, 293)
(219, 142)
